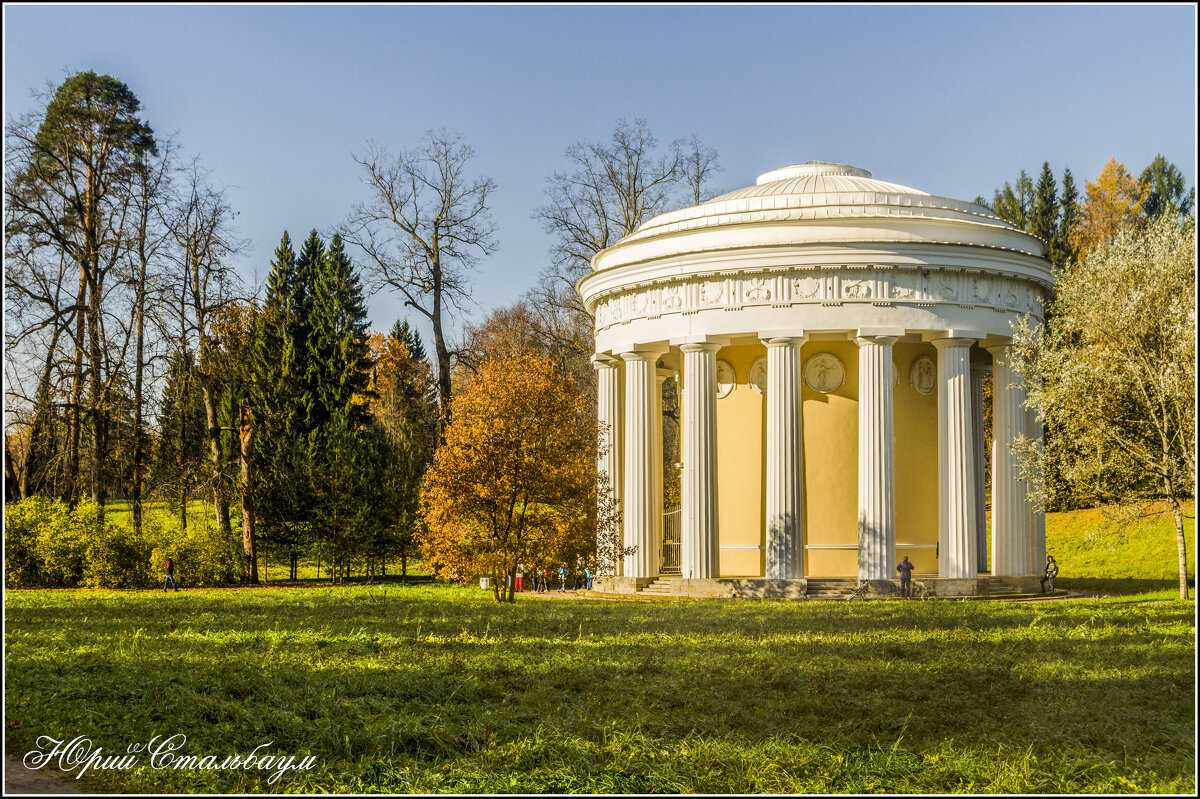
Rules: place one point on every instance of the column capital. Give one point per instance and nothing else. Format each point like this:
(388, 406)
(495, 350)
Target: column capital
(772, 340)
(602, 360)
(951, 343)
(881, 339)
(639, 355)
(999, 350)
(700, 346)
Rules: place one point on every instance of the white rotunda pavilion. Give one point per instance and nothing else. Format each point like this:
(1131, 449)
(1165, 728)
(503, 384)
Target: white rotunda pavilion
(831, 333)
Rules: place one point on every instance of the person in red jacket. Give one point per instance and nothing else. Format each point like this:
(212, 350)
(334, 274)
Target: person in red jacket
(170, 575)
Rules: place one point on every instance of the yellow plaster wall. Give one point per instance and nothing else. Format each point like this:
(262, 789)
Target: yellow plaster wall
(831, 467)
(741, 464)
(915, 423)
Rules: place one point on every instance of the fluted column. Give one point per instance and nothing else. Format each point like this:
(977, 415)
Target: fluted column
(1010, 518)
(699, 554)
(1036, 518)
(876, 459)
(956, 465)
(639, 462)
(608, 374)
(785, 460)
(978, 375)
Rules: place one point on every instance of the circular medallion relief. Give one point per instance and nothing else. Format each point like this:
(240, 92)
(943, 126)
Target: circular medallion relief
(757, 377)
(725, 378)
(921, 376)
(824, 372)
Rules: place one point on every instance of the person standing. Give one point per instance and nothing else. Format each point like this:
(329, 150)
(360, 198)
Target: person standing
(562, 577)
(520, 574)
(1049, 575)
(906, 569)
(170, 575)
(587, 576)
(546, 580)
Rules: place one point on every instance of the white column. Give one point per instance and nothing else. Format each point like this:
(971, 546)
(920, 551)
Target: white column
(1036, 518)
(978, 375)
(876, 459)
(1010, 519)
(608, 373)
(956, 465)
(639, 462)
(785, 460)
(699, 554)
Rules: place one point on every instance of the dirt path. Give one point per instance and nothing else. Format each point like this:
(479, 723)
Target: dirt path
(18, 779)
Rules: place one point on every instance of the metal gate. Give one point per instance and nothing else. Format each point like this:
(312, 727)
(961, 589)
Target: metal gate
(671, 563)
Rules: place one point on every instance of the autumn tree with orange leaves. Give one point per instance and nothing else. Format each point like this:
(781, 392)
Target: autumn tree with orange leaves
(1114, 200)
(515, 481)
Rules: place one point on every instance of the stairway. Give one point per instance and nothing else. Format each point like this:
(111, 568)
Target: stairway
(660, 587)
(831, 588)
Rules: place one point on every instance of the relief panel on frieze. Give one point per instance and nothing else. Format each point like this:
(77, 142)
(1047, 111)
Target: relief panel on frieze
(756, 290)
(856, 289)
(712, 292)
(672, 298)
(806, 288)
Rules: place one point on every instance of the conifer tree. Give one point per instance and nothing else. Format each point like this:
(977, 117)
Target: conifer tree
(298, 354)
(1062, 250)
(338, 366)
(1043, 212)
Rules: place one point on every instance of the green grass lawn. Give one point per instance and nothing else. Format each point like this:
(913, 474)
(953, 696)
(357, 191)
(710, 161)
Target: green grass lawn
(432, 688)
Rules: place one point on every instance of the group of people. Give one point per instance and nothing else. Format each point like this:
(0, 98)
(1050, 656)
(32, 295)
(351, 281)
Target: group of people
(540, 578)
(906, 567)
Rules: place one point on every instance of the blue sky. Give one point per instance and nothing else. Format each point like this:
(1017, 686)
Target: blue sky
(950, 100)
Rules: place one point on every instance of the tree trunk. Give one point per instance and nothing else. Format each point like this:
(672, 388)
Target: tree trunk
(1181, 545)
(97, 406)
(246, 434)
(220, 494)
(183, 501)
(138, 368)
(41, 427)
(76, 394)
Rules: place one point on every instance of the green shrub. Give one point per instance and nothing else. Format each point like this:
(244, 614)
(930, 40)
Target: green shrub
(62, 540)
(22, 521)
(202, 559)
(116, 558)
(48, 545)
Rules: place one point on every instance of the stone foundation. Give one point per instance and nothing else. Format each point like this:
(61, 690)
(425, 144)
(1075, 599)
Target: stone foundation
(762, 588)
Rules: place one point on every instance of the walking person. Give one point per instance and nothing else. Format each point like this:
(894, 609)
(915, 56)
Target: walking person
(170, 575)
(520, 574)
(546, 580)
(562, 578)
(1049, 575)
(587, 576)
(906, 569)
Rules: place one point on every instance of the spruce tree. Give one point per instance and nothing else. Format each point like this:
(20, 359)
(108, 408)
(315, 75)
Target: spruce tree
(339, 365)
(1062, 251)
(1043, 212)
(299, 360)
(410, 338)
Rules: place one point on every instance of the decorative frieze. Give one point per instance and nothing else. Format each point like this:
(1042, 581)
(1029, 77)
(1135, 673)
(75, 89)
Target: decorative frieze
(833, 286)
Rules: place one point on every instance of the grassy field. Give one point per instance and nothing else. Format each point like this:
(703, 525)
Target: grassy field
(432, 688)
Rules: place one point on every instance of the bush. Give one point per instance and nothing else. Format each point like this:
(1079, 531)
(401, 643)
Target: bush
(48, 545)
(22, 521)
(202, 559)
(115, 558)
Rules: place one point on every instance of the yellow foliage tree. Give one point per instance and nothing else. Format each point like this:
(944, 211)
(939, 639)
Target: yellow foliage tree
(515, 481)
(1114, 200)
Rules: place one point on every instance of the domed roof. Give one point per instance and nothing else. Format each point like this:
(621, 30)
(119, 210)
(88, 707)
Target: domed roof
(822, 192)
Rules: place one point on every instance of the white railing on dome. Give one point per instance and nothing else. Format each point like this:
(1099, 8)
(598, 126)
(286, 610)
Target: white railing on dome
(671, 563)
